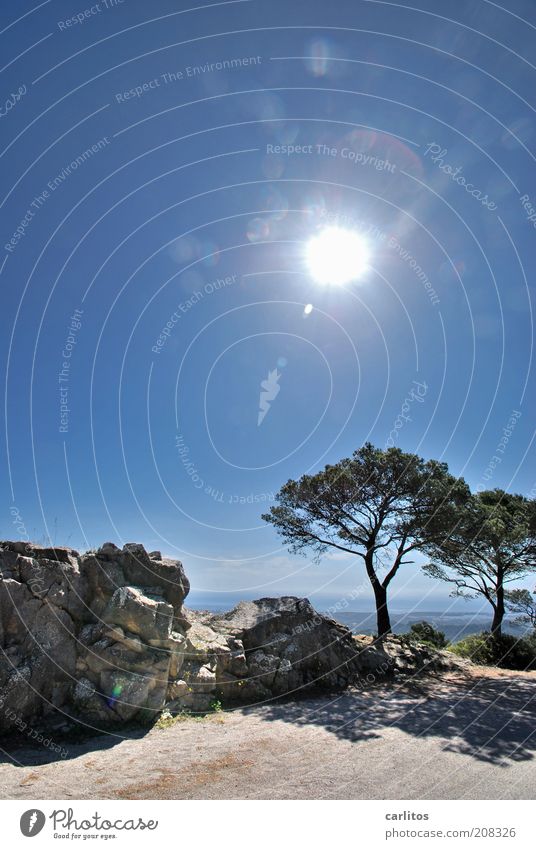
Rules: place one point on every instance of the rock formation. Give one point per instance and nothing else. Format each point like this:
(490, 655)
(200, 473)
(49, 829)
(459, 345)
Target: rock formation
(96, 634)
(270, 647)
(104, 637)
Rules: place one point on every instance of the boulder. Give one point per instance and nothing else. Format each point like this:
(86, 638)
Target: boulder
(141, 613)
(271, 647)
(397, 656)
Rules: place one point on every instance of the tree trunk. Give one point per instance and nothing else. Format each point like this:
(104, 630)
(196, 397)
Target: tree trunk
(498, 612)
(382, 612)
(380, 596)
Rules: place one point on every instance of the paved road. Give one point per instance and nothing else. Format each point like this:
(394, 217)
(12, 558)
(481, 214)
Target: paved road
(452, 739)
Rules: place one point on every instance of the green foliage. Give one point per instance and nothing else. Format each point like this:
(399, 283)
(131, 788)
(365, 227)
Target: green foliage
(475, 647)
(373, 500)
(492, 544)
(506, 651)
(424, 632)
(379, 505)
(216, 705)
(523, 602)
(168, 719)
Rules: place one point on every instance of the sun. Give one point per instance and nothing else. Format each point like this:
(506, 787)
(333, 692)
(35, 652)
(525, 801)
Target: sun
(337, 256)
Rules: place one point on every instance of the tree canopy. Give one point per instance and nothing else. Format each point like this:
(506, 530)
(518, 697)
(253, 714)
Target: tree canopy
(492, 544)
(522, 602)
(379, 505)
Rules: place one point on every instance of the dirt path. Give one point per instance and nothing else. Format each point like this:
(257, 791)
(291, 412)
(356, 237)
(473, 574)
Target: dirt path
(455, 738)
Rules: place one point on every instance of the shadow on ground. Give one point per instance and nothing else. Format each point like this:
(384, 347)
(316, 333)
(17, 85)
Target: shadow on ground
(492, 720)
(18, 751)
(489, 719)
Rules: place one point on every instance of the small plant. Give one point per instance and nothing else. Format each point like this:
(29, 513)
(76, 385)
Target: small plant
(506, 651)
(168, 719)
(424, 632)
(165, 720)
(216, 706)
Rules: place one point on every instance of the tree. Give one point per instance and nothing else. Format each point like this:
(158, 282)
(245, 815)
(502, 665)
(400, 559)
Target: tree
(379, 505)
(493, 544)
(522, 602)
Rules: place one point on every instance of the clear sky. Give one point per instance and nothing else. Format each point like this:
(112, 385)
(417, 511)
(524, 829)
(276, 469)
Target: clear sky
(163, 168)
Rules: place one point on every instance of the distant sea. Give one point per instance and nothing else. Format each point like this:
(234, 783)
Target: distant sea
(455, 625)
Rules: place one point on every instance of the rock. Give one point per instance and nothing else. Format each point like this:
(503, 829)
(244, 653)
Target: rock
(83, 691)
(273, 647)
(396, 656)
(166, 575)
(129, 641)
(108, 549)
(177, 690)
(141, 613)
(103, 637)
(89, 634)
(61, 554)
(126, 692)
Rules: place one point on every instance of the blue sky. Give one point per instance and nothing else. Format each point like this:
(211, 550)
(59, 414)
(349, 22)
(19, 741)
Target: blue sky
(162, 172)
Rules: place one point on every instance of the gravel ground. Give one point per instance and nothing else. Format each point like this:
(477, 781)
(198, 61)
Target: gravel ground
(471, 737)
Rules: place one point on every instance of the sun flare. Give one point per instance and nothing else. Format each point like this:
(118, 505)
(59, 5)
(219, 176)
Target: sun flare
(337, 256)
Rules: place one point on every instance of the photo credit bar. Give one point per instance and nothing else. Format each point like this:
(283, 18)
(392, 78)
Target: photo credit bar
(310, 823)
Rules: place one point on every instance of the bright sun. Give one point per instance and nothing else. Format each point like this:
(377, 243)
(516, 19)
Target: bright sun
(337, 256)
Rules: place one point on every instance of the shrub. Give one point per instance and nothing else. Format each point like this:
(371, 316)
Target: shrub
(424, 632)
(506, 651)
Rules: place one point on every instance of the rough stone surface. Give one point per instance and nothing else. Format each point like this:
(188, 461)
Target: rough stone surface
(103, 637)
(94, 635)
(394, 656)
(272, 647)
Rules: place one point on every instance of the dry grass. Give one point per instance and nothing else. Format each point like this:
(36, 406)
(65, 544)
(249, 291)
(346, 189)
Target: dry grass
(167, 784)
